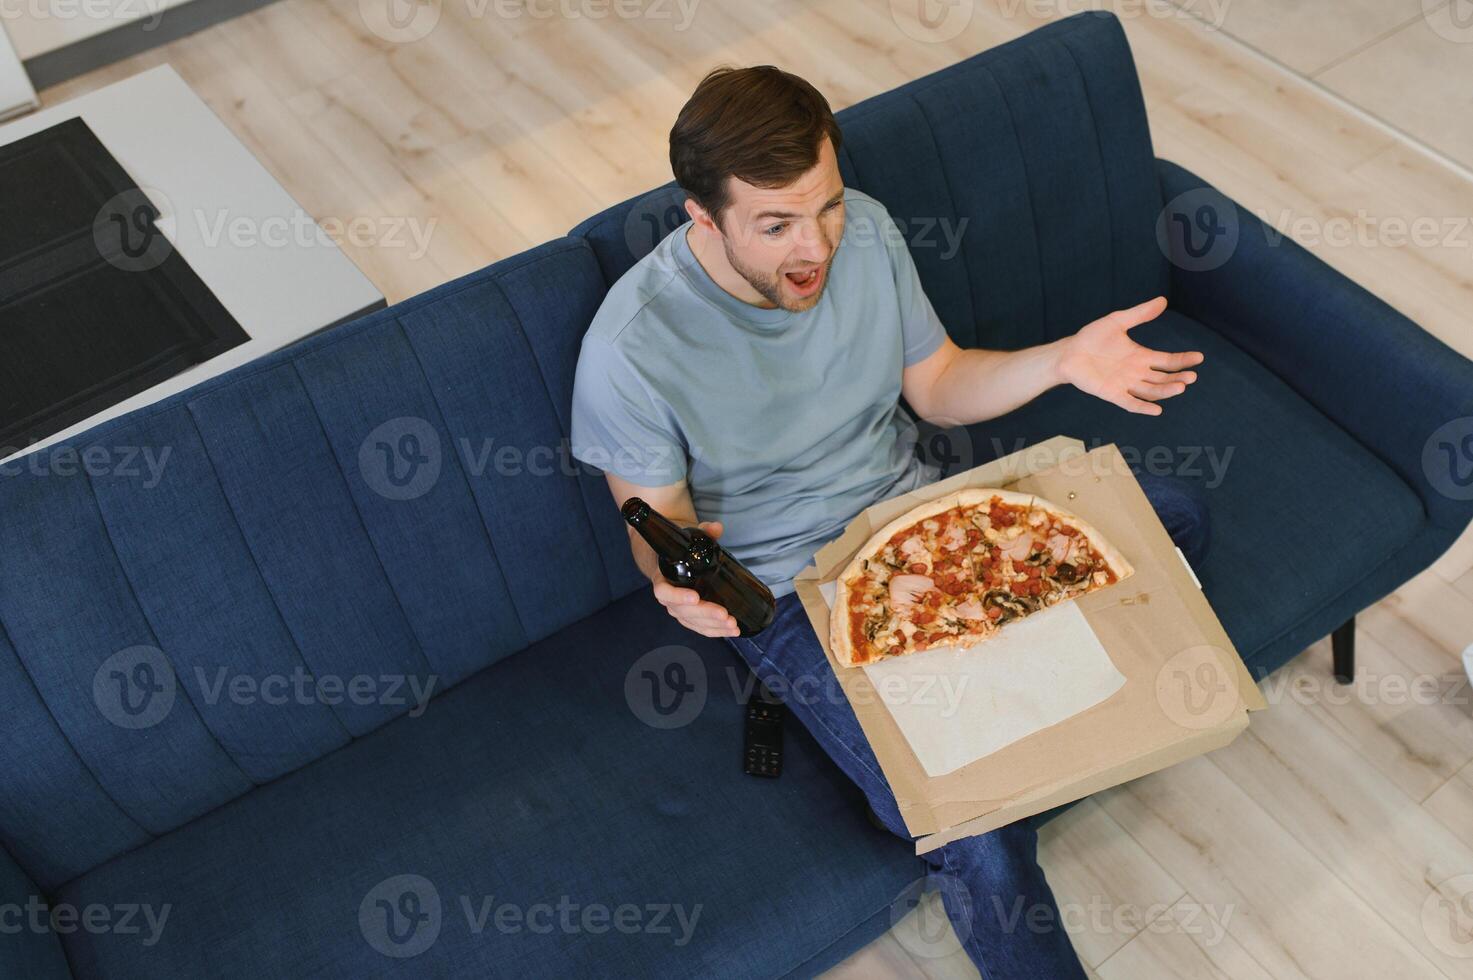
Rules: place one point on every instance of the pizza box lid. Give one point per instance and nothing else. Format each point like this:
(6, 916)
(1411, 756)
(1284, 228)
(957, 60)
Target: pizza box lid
(1186, 690)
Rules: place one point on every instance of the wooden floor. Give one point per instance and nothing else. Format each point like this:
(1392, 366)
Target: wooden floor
(1315, 845)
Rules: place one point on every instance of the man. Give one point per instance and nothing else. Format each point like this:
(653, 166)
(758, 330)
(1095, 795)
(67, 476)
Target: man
(746, 374)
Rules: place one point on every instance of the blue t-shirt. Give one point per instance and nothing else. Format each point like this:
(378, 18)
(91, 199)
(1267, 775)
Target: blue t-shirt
(784, 425)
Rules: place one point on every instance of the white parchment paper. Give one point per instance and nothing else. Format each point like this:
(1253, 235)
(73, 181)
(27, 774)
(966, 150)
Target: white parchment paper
(957, 704)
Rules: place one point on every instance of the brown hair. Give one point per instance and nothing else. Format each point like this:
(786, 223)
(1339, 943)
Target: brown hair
(761, 125)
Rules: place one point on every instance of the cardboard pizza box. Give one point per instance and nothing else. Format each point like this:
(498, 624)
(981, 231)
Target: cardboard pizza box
(1185, 691)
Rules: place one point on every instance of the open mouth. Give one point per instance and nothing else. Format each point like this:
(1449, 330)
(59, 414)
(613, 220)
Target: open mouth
(805, 281)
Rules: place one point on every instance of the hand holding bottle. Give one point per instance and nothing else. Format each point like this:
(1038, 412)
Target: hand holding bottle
(689, 609)
(706, 589)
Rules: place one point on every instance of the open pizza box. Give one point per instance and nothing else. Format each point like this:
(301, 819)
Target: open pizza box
(1159, 677)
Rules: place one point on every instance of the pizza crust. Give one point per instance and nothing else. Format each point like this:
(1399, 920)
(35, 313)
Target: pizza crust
(839, 638)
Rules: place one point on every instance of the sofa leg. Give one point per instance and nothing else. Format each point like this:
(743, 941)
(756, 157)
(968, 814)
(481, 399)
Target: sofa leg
(1342, 643)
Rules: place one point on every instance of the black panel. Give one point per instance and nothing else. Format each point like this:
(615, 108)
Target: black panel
(95, 303)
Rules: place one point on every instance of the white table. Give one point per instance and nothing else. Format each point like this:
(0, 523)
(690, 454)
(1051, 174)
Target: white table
(219, 207)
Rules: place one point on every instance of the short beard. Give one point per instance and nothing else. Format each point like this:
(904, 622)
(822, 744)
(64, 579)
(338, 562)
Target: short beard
(768, 287)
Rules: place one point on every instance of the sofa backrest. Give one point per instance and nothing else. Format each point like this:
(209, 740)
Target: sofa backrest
(1023, 178)
(390, 506)
(387, 502)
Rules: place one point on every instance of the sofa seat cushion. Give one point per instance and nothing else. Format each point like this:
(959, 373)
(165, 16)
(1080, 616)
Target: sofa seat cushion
(532, 788)
(1300, 511)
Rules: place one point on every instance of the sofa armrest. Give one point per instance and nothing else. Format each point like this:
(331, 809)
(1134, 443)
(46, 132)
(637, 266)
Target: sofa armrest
(28, 946)
(1400, 391)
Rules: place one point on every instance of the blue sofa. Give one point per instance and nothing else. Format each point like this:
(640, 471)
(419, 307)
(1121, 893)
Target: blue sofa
(389, 508)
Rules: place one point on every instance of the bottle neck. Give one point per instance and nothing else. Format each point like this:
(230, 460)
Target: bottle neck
(659, 532)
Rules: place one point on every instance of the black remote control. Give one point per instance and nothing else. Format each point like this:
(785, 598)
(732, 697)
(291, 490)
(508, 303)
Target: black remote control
(762, 751)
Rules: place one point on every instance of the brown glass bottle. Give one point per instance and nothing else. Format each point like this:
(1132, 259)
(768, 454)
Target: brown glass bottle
(691, 559)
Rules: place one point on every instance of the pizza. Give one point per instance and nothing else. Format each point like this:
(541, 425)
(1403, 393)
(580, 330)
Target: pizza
(956, 570)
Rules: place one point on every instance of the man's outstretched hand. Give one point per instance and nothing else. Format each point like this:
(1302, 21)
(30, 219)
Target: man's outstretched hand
(689, 609)
(1103, 361)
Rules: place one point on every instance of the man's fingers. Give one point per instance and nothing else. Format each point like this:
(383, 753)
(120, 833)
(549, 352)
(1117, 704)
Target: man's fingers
(707, 618)
(1153, 392)
(713, 528)
(693, 612)
(1167, 377)
(1132, 404)
(1164, 361)
(673, 595)
(1149, 310)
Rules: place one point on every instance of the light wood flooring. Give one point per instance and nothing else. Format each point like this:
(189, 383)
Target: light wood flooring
(1316, 844)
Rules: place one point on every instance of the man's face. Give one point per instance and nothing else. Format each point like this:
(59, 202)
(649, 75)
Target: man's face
(782, 241)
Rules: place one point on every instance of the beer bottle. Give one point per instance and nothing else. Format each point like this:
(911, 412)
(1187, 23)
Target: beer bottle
(691, 559)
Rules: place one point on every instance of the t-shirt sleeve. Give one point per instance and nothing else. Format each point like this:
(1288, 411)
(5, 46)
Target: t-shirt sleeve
(920, 327)
(616, 425)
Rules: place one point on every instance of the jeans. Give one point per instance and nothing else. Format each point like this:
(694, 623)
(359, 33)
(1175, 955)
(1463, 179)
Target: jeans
(994, 892)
